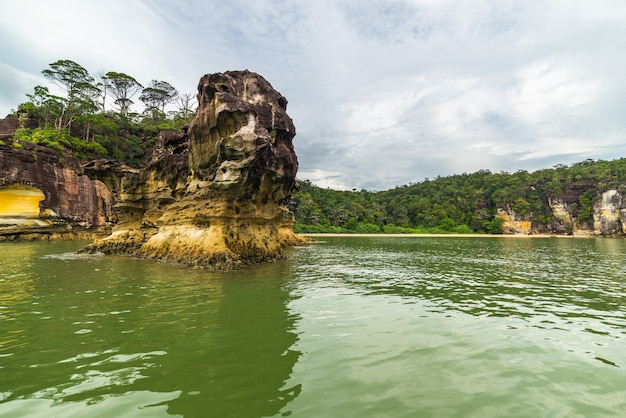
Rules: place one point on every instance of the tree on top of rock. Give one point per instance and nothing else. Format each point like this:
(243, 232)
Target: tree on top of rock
(123, 87)
(158, 95)
(71, 77)
(78, 87)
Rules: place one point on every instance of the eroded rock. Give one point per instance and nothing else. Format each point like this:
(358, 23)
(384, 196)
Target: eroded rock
(217, 197)
(46, 196)
(609, 215)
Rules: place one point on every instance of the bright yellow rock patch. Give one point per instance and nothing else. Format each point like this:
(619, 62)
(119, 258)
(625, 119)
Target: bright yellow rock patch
(20, 200)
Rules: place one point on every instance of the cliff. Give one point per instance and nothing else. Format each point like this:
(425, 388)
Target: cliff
(607, 215)
(44, 195)
(214, 196)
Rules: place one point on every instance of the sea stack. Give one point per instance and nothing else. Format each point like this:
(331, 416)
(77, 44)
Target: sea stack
(215, 196)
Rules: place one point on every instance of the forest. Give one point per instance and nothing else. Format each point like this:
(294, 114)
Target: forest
(463, 203)
(92, 115)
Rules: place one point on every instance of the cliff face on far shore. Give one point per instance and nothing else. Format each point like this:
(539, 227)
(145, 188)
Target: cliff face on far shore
(214, 196)
(608, 216)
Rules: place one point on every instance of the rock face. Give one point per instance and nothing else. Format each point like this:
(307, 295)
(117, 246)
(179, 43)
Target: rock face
(561, 212)
(46, 196)
(11, 123)
(608, 216)
(514, 223)
(216, 195)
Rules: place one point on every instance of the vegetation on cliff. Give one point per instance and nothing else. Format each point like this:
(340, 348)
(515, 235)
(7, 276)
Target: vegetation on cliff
(92, 116)
(463, 203)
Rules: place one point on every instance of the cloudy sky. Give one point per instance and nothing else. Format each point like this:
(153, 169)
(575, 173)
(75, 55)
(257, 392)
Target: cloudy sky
(382, 93)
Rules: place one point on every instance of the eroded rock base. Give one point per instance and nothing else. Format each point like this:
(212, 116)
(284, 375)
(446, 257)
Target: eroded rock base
(220, 246)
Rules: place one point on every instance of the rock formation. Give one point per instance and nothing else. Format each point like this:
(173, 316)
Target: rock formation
(44, 195)
(214, 196)
(608, 215)
(514, 223)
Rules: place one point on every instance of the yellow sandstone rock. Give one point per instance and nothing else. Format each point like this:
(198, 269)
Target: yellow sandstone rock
(215, 197)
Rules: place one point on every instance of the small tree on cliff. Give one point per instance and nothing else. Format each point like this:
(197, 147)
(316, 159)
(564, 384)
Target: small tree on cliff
(123, 87)
(186, 105)
(158, 95)
(102, 84)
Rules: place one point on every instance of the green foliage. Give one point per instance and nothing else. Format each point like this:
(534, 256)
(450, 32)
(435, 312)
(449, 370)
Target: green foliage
(367, 228)
(352, 224)
(585, 203)
(493, 226)
(48, 108)
(61, 142)
(464, 203)
(82, 125)
(79, 88)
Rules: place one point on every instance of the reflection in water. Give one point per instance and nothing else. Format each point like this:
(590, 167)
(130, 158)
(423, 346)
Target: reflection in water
(155, 338)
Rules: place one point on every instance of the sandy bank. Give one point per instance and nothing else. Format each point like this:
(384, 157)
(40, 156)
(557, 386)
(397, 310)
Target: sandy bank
(446, 235)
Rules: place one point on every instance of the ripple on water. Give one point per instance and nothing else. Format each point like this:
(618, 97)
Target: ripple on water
(349, 327)
(460, 328)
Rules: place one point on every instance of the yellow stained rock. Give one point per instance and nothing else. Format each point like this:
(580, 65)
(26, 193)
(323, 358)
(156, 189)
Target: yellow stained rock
(19, 200)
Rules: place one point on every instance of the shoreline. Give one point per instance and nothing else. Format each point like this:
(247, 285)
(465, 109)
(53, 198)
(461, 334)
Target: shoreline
(313, 235)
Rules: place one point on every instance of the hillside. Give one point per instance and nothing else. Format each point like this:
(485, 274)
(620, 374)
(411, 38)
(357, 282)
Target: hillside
(584, 199)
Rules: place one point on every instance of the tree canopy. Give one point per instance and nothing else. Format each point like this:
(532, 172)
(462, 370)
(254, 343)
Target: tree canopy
(77, 119)
(158, 95)
(123, 87)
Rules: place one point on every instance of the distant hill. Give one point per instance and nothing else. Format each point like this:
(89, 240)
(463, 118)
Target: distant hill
(586, 198)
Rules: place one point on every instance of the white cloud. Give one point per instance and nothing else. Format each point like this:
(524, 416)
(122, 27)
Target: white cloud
(326, 179)
(382, 93)
(14, 85)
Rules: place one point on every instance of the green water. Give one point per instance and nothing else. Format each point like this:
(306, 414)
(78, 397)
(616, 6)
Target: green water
(347, 327)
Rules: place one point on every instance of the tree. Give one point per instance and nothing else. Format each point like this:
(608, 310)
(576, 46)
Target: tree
(103, 86)
(44, 106)
(78, 87)
(493, 226)
(186, 104)
(71, 77)
(123, 87)
(158, 95)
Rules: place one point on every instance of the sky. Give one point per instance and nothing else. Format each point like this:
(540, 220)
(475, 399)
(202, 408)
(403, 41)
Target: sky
(382, 93)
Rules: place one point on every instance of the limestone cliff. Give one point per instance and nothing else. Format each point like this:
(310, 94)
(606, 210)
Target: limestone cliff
(514, 223)
(44, 195)
(607, 215)
(214, 196)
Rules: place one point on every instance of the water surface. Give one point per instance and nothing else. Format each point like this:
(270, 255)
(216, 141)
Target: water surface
(350, 326)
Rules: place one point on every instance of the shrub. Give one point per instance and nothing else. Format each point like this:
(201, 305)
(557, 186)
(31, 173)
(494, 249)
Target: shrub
(367, 228)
